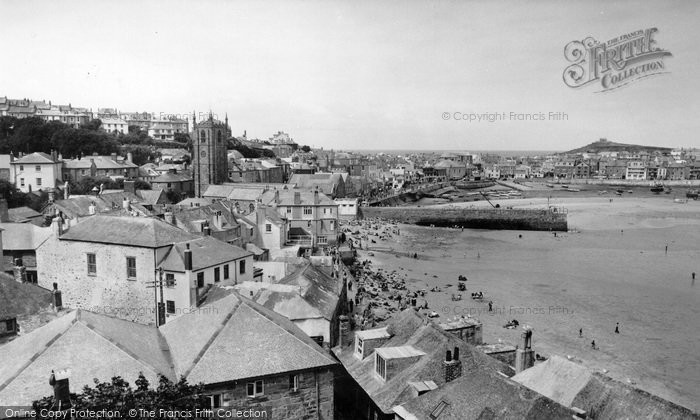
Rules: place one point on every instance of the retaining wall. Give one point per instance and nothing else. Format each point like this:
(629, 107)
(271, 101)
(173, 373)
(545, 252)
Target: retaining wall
(514, 219)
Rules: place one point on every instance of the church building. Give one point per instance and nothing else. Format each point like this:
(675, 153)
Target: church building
(209, 154)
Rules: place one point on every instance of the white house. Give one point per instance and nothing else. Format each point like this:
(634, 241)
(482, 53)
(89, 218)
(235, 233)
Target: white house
(36, 171)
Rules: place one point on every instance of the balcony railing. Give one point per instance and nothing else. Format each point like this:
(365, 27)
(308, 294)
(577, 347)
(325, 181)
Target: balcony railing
(299, 240)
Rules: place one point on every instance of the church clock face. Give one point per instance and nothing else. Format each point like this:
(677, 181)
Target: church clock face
(203, 153)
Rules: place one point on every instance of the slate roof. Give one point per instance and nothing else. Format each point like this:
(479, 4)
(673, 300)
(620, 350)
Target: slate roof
(79, 206)
(190, 218)
(482, 394)
(101, 162)
(319, 289)
(36, 157)
(22, 214)
(152, 197)
(170, 177)
(287, 198)
(143, 232)
(206, 252)
(573, 385)
(407, 328)
(252, 340)
(228, 339)
(21, 298)
(23, 236)
(90, 345)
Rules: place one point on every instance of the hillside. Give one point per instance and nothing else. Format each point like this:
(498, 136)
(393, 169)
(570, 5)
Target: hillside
(604, 145)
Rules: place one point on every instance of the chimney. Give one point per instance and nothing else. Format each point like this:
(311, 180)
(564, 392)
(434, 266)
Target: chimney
(297, 197)
(188, 258)
(316, 197)
(344, 330)
(126, 204)
(4, 216)
(206, 230)
(169, 217)
(19, 271)
(93, 168)
(130, 186)
(66, 194)
(61, 390)
(525, 356)
(452, 365)
(52, 196)
(130, 157)
(113, 156)
(57, 298)
(260, 213)
(57, 226)
(218, 222)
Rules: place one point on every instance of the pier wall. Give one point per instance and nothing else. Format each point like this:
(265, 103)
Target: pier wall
(513, 219)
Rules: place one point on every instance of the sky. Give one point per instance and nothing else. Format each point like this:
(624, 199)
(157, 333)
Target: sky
(360, 74)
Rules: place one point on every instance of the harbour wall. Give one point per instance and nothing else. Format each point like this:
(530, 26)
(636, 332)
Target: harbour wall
(512, 219)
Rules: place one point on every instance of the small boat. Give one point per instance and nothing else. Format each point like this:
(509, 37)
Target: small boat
(657, 188)
(618, 193)
(602, 192)
(692, 194)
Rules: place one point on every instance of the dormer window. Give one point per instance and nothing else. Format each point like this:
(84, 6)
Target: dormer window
(380, 366)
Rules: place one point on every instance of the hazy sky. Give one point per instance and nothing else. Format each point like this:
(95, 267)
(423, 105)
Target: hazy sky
(358, 75)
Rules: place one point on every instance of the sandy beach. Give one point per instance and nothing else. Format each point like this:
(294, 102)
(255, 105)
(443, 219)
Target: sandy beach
(628, 261)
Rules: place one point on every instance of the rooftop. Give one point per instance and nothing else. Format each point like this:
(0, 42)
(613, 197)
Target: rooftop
(146, 232)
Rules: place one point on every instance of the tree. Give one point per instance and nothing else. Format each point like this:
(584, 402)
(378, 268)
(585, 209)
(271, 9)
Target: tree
(14, 197)
(118, 395)
(182, 138)
(174, 197)
(305, 149)
(92, 125)
(140, 155)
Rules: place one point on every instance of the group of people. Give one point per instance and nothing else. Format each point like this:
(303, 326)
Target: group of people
(593, 345)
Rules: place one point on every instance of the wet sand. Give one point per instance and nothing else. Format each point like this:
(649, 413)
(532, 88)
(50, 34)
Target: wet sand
(615, 268)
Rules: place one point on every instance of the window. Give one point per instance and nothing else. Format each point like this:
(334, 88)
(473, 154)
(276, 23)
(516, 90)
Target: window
(289, 210)
(91, 264)
(131, 268)
(438, 410)
(294, 383)
(268, 227)
(82, 172)
(307, 211)
(169, 279)
(215, 401)
(380, 366)
(242, 267)
(255, 389)
(203, 136)
(170, 306)
(325, 210)
(200, 279)
(332, 225)
(318, 339)
(21, 182)
(37, 168)
(322, 239)
(359, 346)
(217, 274)
(38, 182)
(11, 325)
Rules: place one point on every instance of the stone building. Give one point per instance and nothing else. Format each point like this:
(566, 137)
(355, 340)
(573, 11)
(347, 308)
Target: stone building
(247, 357)
(209, 153)
(107, 263)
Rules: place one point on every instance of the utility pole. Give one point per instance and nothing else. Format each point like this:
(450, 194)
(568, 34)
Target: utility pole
(160, 306)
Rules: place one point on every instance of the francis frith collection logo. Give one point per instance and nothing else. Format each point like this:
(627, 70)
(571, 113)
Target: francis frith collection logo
(615, 63)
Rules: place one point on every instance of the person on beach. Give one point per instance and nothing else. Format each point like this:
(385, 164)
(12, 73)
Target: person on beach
(593, 344)
(693, 275)
(617, 328)
(490, 306)
(580, 332)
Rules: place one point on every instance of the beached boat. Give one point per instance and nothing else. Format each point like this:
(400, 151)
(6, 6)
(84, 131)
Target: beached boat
(692, 194)
(657, 188)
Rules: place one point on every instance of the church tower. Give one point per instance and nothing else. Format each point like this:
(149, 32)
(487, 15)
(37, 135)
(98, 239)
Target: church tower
(209, 153)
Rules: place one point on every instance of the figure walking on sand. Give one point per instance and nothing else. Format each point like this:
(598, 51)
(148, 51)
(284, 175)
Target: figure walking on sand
(617, 328)
(593, 344)
(580, 332)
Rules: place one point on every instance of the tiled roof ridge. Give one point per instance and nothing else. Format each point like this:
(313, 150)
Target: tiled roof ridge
(120, 346)
(211, 340)
(40, 352)
(252, 305)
